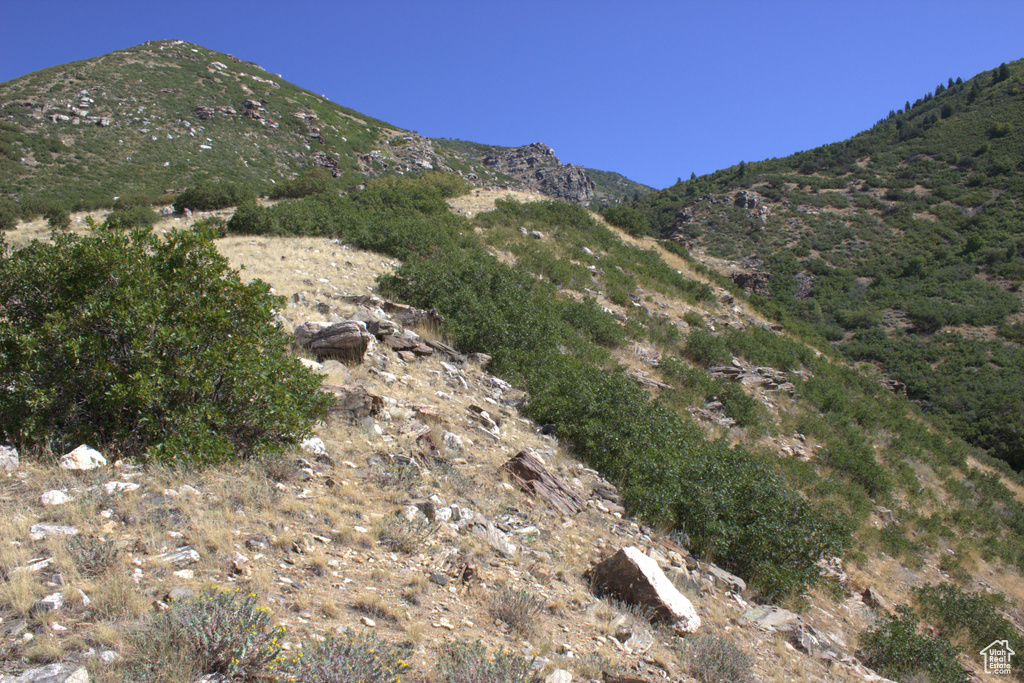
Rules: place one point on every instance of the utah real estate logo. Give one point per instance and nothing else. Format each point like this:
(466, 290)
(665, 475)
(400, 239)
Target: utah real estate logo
(997, 657)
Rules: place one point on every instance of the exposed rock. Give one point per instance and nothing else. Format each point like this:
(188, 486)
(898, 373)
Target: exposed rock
(412, 317)
(51, 673)
(875, 601)
(54, 498)
(345, 341)
(378, 327)
(539, 169)
(185, 555)
(9, 461)
(635, 578)
(112, 487)
(82, 458)
(534, 478)
(354, 403)
(43, 530)
(497, 539)
(730, 582)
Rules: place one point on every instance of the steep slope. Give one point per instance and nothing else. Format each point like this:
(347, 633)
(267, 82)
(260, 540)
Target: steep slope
(900, 246)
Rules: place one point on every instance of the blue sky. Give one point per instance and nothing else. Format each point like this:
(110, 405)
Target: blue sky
(650, 89)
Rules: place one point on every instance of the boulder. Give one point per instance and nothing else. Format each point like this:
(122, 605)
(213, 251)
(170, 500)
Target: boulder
(632, 576)
(730, 582)
(345, 341)
(82, 458)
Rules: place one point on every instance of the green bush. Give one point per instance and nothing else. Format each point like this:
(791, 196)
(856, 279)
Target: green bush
(895, 649)
(214, 632)
(131, 217)
(969, 616)
(629, 219)
(467, 662)
(149, 346)
(348, 658)
(704, 348)
(9, 215)
(209, 196)
(58, 218)
(313, 181)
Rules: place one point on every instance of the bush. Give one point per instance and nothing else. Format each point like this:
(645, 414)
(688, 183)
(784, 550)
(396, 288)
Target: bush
(131, 217)
(704, 348)
(58, 218)
(9, 215)
(466, 662)
(969, 616)
(712, 658)
(518, 609)
(313, 181)
(215, 632)
(209, 196)
(896, 650)
(150, 346)
(348, 658)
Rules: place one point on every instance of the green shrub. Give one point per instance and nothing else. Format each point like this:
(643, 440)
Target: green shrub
(209, 196)
(895, 649)
(348, 658)
(969, 616)
(58, 218)
(214, 632)
(712, 658)
(149, 346)
(629, 219)
(131, 217)
(467, 662)
(313, 181)
(704, 348)
(9, 215)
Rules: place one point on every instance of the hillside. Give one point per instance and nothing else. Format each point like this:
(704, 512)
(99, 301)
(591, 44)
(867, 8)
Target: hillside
(800, 516)
(899, 247)
(153, 119)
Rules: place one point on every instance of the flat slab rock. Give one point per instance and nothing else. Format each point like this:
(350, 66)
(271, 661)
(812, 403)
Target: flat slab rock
(632, 576)
(51, 673)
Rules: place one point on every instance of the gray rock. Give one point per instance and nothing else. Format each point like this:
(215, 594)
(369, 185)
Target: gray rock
(181, 557)
(729, 582)
(51, 603)
(439, 578)
(54, 497)
(495, 537)
(9, 461)
(43, 530)
(51, 673)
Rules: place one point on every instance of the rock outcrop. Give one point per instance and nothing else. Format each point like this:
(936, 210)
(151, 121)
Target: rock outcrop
(537, 167)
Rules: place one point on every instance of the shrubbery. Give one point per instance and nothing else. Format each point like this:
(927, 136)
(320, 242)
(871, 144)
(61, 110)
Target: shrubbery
(148, 346)
(209, 196)
(896, 650)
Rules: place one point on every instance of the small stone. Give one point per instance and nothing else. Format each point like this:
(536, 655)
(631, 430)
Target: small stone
(54, 498)
(52, 673)
(179, 593)
(368, 622)
(181, 556)
(51, 603)
(558, 676)
(112, 487)
(439, 578)
(185, 574)
(314, 446)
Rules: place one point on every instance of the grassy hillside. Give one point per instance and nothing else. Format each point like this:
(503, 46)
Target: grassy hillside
(900, 246)
(152, 119)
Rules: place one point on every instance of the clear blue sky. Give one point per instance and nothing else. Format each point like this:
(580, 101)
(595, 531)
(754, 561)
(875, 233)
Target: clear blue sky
(650, 89)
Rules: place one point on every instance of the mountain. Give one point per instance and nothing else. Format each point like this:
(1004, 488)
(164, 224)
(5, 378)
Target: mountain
(526, 402)
(900, 246)
(158, 117)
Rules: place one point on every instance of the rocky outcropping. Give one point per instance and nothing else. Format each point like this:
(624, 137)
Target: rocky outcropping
(537, 167)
